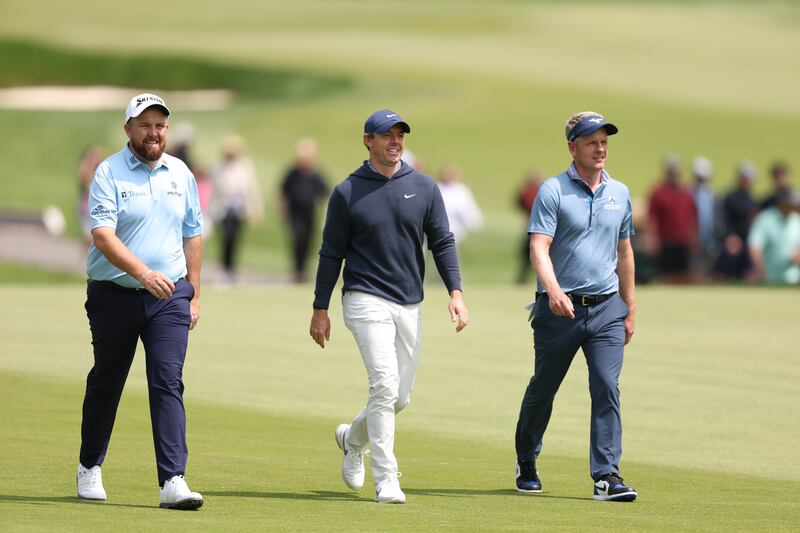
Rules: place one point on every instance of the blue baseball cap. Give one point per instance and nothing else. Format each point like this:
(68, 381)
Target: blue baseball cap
(588, 125)
(382, 121)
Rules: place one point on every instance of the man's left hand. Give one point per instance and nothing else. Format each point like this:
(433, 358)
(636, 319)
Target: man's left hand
(458, 310)
(194, 311)
(630, 325)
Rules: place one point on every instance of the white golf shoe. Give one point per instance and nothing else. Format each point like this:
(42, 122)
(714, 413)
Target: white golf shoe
(388, 490)
(353, 462)
(90, 483)
(176, 495)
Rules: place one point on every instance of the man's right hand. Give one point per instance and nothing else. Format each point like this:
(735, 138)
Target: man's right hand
(158, 284)
(320, 329)
(560, 304)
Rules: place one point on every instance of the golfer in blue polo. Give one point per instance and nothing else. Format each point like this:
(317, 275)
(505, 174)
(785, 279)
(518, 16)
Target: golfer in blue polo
(144, 284)
(580, 229)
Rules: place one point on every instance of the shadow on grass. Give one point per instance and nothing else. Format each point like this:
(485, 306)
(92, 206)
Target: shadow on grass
(349, 496)
(43, 500)
(464, 493)
(311, 495)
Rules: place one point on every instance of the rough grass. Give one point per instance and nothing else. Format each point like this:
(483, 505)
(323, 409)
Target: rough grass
(30, 63)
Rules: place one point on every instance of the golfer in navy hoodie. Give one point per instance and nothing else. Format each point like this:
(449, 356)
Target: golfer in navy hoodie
(377, 223)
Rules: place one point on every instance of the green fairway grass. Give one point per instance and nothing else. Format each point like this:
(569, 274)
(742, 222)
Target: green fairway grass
(16, 273)
(485, 85)
(709, 394)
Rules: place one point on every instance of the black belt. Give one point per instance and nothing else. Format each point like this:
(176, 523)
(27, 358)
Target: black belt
(107, 283)
(585, 300)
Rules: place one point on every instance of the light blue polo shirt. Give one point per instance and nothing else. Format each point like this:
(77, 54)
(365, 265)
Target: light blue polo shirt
(151, 212)
(586, 228)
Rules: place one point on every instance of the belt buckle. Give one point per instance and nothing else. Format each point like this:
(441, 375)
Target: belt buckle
(583, 300)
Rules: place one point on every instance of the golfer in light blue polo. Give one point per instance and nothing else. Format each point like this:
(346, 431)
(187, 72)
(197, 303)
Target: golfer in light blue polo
(580, 229)
(144, 284)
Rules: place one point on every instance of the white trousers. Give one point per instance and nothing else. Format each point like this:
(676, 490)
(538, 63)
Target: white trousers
(388, 336)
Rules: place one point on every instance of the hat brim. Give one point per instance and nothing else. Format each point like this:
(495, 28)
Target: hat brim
(610, 128)
(383, 128)
(583, 129)
(163, 108)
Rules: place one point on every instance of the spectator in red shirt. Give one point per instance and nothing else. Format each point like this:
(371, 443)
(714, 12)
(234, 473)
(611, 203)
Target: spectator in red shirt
(524, 199)
(674, 219)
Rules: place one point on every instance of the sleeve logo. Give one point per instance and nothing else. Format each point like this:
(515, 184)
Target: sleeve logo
(99, 211)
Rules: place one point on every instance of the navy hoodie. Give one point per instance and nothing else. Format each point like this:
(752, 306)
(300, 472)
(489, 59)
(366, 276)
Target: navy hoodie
(377, 225)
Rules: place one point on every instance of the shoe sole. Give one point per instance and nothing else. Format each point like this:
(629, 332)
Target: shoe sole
(529, 491)
(624, 497)
(389, 501)
(91, 499)
(183, 505)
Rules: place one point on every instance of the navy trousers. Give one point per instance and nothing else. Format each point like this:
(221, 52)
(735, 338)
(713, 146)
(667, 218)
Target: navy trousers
(118, 318)
(600, 331)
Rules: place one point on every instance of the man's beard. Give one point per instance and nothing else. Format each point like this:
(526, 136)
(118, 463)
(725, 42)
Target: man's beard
(147, 152)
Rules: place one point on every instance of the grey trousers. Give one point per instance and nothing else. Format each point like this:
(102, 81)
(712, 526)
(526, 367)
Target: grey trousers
(599, 330)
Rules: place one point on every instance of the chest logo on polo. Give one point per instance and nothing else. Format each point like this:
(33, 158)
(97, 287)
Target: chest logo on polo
(612, 204)
(132, 194)
(407, 196)
(174, 192)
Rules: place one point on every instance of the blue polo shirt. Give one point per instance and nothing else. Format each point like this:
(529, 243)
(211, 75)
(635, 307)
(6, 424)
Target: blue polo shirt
(151, 211)
(586, 228)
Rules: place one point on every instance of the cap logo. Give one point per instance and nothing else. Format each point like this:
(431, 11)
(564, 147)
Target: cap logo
(141, 100)
(392, 115)
(595, 120)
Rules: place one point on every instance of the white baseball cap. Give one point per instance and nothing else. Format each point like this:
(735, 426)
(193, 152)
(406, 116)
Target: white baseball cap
(140, 102)
(747, 170)
(702, 167)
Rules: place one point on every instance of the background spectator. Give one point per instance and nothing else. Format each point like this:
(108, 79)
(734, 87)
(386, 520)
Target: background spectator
(738, 210)
(643, 243)
(672, 214)
(91, 157)
(779, 172)
(204, 190)
(236, 198)
(302, 189)
(181, 145)
(462, 209)
(774, 241)
(526, 195)
(705, 204)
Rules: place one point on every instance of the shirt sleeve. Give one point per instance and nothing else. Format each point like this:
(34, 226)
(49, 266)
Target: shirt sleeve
(626, 229)
(327, 275)
(193, 220)
(544, 215)
(102, 199)
(335, 239)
